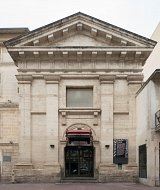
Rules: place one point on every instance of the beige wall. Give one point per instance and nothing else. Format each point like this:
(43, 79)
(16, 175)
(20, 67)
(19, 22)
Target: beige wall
(9, 112)
(111, 64)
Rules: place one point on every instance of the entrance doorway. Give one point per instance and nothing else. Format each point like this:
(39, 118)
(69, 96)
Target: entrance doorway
(79, 161)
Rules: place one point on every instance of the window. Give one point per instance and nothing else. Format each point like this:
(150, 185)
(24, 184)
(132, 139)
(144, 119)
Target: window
(79, 97)
(143, 161)
(6, 158)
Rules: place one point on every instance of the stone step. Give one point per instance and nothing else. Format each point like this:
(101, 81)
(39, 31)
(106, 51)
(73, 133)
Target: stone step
(79, 180)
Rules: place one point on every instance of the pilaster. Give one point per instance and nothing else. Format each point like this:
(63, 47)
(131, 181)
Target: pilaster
(107, 82)
(51, 119)
(25, 144)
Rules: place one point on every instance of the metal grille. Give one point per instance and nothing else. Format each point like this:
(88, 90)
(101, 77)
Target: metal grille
(120, 151)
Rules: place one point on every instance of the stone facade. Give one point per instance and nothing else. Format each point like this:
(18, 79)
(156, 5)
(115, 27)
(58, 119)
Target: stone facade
(77, 52)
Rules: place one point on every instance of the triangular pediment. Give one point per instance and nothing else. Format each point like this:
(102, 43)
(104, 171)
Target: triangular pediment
(79, 40)
(80, 30)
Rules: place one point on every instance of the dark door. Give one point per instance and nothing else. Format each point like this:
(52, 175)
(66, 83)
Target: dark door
(79, 161)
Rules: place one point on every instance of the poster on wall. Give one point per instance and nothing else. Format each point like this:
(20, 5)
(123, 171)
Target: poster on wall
(120, 151)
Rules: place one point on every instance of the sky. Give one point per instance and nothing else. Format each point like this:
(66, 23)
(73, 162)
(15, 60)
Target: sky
(138, 16)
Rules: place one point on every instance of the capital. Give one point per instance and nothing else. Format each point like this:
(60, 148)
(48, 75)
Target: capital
(51, 79)
(107, 79)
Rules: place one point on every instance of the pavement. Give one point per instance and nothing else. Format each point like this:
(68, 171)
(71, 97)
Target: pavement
(76, 186)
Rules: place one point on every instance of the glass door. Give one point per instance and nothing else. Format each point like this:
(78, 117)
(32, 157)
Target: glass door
(79, 161)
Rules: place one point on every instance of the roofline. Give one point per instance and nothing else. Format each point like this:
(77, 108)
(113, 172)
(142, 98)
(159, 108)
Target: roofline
(117, 27)
(112, 27)
(148, 80)
(13, 30)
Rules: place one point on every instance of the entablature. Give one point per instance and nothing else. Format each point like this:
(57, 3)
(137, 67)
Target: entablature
(79, 54)
(103, 78)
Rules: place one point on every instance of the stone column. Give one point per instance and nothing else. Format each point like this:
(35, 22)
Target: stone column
(25, 157)
(52, 134)
(106, 138)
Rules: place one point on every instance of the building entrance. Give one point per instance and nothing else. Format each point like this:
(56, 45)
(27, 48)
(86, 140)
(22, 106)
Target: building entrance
(79, 153)
(79, 161)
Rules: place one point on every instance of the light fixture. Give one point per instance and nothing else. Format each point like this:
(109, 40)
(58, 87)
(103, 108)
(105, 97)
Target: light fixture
(52, 145)
(107, 145)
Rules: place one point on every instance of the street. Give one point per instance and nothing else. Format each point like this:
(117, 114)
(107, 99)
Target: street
(75, 186)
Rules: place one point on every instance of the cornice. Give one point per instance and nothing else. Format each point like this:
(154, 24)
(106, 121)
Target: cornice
(24, 78)
(9, 143)
(82, 71)
(77, 48)
(8, 104)
(92, 111)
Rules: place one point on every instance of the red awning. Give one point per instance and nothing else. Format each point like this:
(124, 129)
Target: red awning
(78, 132)
(79, 137)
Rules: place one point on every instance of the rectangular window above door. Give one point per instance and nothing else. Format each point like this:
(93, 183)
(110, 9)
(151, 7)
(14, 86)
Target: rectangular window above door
(79, 97)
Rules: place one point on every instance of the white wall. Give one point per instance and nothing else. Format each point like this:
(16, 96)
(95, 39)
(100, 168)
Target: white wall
(8, 82)
(147, 104)
(153, 62)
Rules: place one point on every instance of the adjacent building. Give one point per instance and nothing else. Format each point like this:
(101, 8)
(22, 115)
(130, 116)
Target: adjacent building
(148, 120)
(67, 103)
(148, 130)
(9, 103)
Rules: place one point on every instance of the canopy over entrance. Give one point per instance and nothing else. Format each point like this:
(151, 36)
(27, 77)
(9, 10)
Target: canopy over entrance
(79, 137)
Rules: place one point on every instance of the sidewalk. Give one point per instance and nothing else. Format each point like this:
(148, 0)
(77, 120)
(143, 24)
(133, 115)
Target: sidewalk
(73, 186)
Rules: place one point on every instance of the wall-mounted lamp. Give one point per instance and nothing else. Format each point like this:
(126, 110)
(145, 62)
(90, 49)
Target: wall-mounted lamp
(107, 145)
(52, 145)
